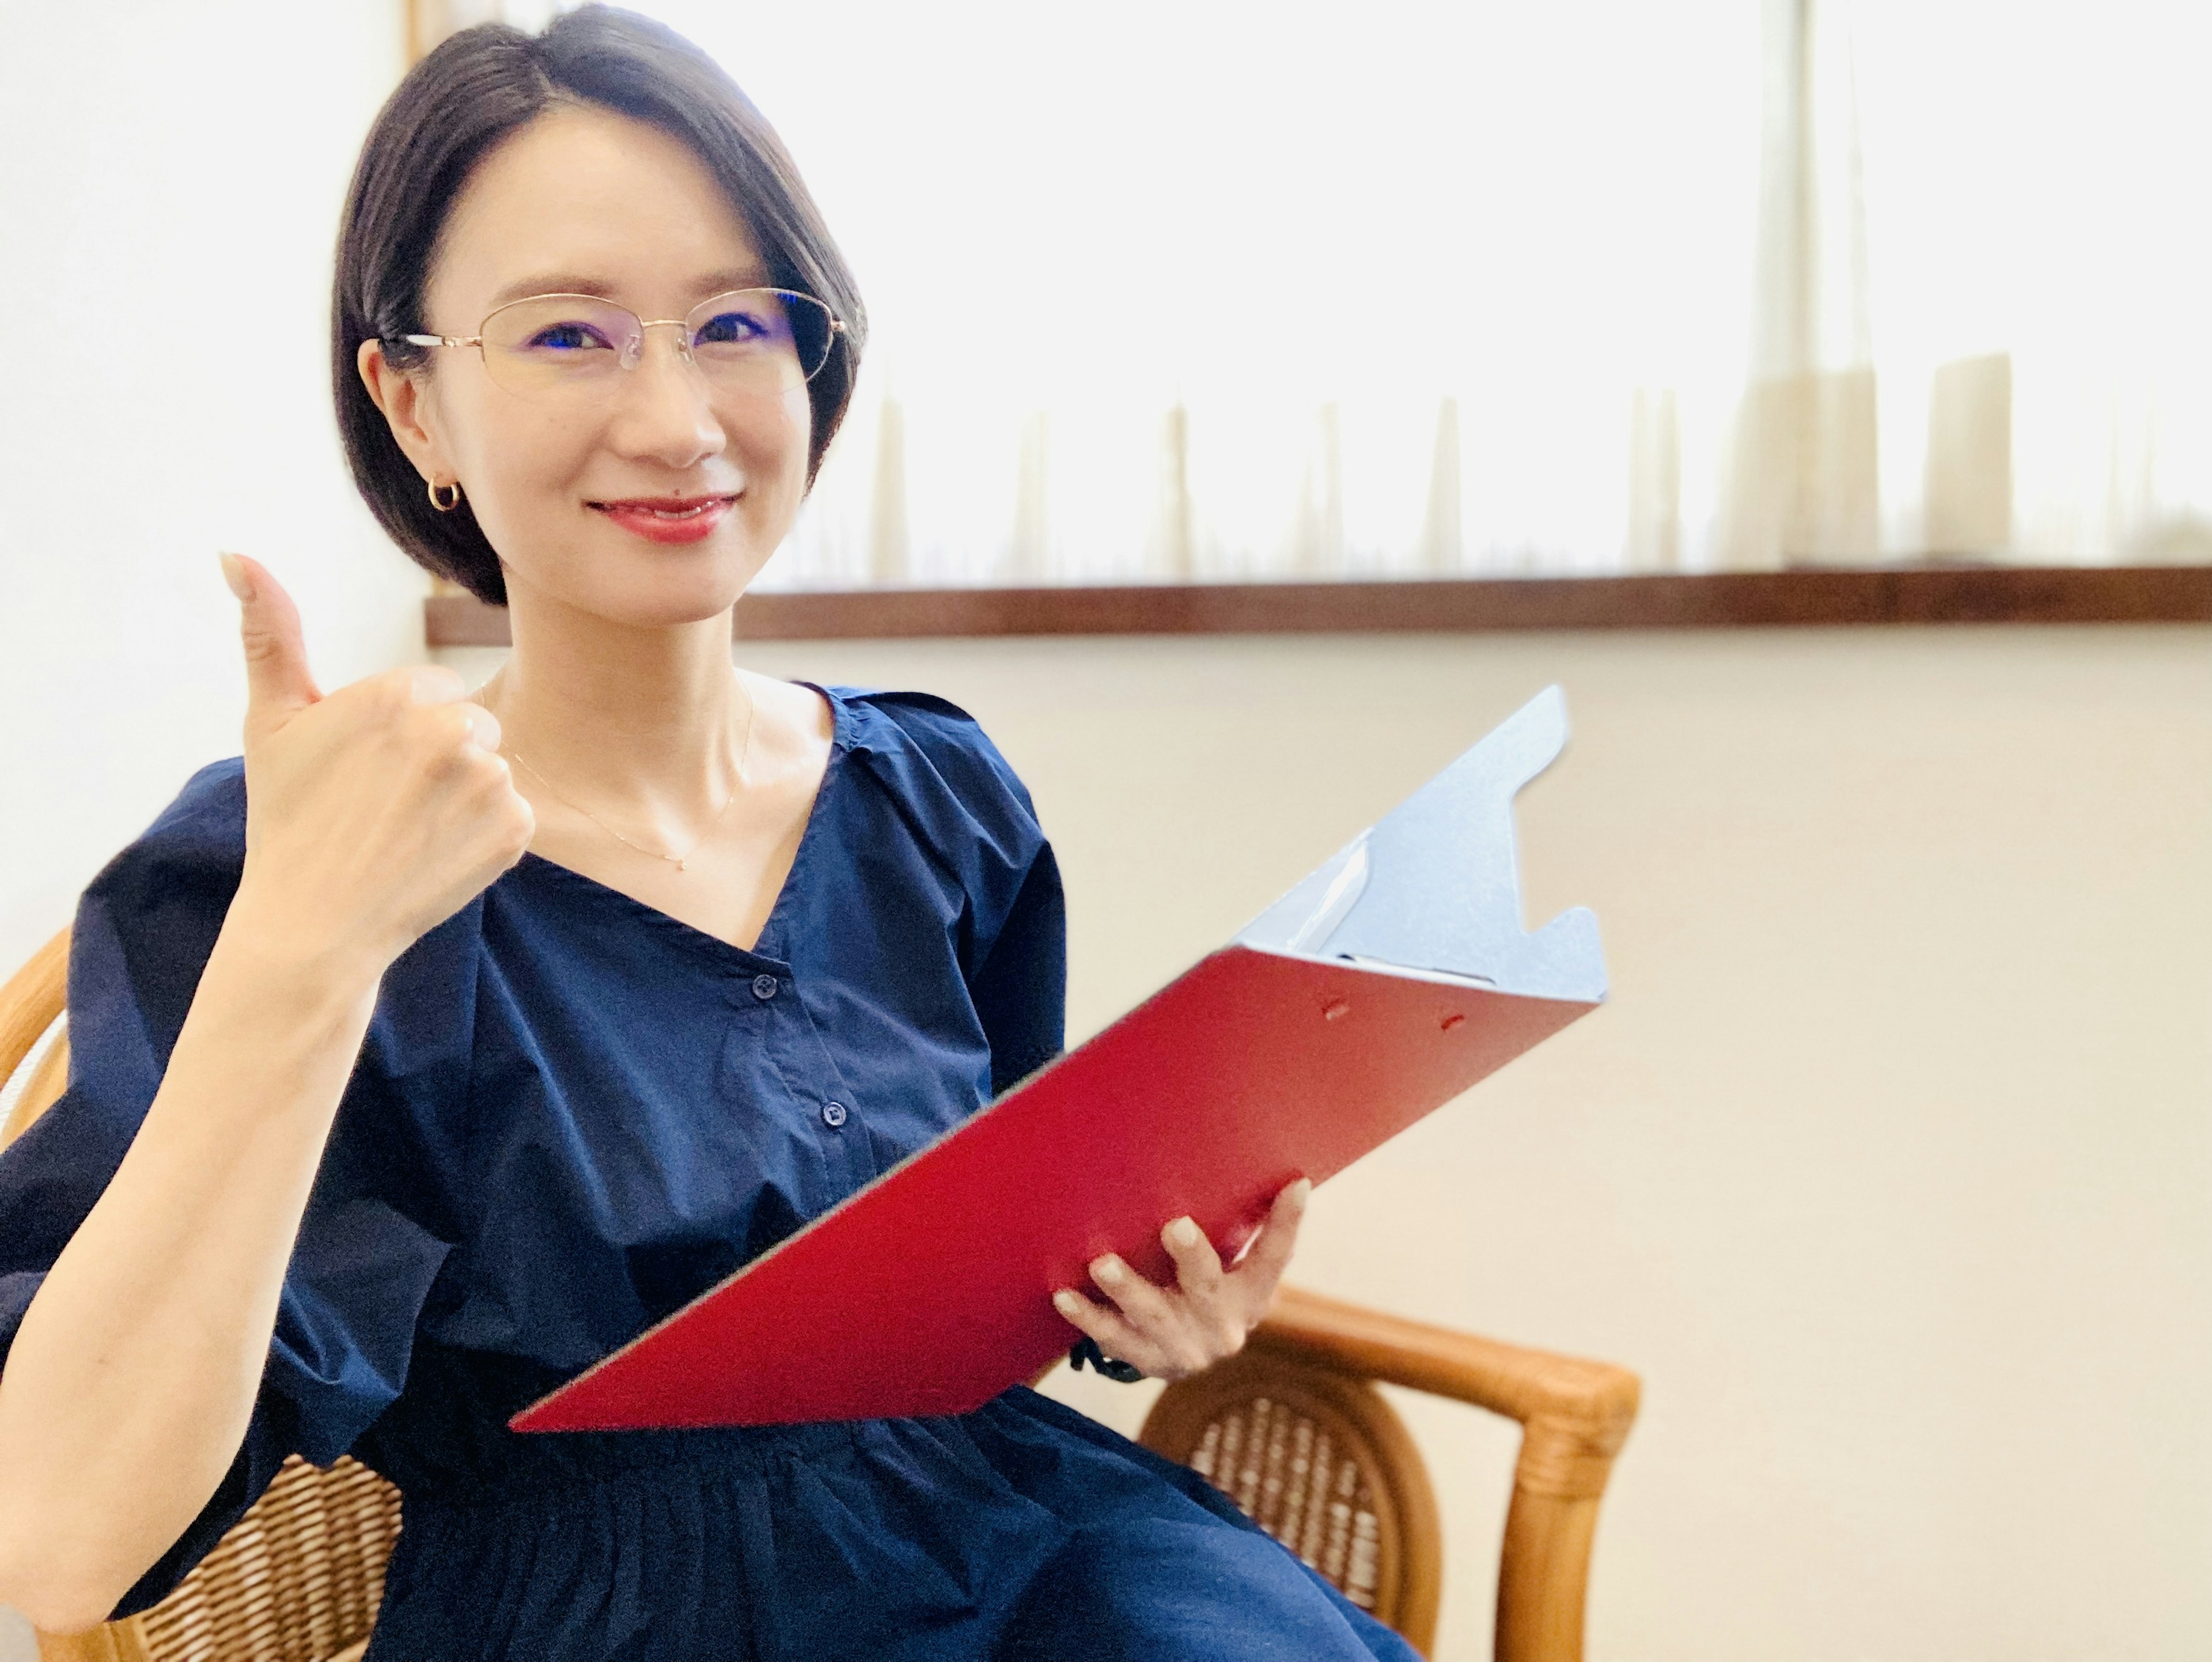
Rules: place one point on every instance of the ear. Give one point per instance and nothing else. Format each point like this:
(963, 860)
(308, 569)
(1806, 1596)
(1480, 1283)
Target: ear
(405, 399)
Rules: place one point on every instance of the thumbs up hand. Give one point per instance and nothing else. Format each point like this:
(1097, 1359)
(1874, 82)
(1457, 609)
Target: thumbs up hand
(373, 813)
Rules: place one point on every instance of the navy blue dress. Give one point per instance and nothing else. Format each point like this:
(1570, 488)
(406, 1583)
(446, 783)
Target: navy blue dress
(572, 1113)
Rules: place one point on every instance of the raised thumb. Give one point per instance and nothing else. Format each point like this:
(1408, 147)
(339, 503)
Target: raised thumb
(277, 683)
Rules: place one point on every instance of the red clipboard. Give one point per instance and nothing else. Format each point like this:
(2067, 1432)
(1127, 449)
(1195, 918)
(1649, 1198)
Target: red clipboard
(1290, 1052)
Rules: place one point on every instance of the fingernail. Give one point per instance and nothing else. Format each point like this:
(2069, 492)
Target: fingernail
(234, 575)
(1064, 1301)
(1302, 1190)
(1182, 1232)
(1106, 1270)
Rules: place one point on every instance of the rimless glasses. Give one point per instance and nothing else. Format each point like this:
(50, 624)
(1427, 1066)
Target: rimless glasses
(556, 348)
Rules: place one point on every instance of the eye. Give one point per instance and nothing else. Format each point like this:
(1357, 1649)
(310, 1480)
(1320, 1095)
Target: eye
(737, 327)
(566, 337)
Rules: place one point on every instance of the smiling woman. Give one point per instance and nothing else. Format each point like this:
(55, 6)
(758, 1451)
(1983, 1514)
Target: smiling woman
(403, 1087)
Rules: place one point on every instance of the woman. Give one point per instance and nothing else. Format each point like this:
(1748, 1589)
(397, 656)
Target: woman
(407, 1082)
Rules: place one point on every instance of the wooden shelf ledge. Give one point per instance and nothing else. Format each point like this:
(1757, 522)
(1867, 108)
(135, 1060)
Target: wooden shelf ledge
(1734, 600)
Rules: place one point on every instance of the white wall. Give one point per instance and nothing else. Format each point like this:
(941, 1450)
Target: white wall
(1887, 1166)
(170, 181)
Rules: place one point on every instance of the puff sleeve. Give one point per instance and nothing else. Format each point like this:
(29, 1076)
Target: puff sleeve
(1020, 988)
(361, 1267)
(975, 811)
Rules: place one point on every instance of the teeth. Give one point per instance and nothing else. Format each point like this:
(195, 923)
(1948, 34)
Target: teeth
(689, 511)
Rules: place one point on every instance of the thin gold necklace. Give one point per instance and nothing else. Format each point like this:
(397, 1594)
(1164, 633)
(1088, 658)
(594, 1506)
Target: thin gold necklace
(678, 861)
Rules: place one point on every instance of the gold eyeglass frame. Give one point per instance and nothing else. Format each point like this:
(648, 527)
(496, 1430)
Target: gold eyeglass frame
(630, 360)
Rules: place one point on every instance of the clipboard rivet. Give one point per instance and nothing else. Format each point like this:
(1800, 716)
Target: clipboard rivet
(1453, 1021)
(1341, 1007)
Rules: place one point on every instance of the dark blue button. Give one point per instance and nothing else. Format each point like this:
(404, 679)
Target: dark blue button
(764, 987)
(833, 1114)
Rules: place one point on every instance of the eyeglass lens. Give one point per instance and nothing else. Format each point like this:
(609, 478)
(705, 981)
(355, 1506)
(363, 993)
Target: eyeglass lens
(754, 341)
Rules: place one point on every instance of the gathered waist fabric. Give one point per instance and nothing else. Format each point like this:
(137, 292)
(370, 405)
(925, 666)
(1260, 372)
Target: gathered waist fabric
(913, 1538)
(817, 1542)
(530, 1472)
(920, 1540)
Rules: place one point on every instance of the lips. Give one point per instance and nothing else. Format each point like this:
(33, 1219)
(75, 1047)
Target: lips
(667, 519)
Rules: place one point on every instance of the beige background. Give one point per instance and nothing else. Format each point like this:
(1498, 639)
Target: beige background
(1887, 1166)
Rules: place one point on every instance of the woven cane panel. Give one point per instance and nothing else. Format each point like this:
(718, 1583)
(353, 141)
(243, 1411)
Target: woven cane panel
(1318, 1461)
(297, 1579)
(1300, 1484)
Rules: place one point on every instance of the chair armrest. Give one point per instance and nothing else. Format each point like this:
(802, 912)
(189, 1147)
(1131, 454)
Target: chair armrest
(30, 1000)
(1579, 1412)
(1574, 1416)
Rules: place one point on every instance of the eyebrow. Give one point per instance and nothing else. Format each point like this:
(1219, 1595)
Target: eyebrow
(573, 283)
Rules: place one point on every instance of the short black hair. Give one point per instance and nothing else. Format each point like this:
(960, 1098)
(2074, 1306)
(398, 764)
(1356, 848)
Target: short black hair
(478, 87)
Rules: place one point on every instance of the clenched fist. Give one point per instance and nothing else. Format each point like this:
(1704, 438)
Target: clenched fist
(373, 813)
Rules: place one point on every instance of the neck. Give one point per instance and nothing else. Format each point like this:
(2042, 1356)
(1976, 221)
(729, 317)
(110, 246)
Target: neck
(621, 712)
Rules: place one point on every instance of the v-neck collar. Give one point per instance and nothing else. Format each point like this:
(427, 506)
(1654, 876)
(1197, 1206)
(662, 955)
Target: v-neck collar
(768, 951)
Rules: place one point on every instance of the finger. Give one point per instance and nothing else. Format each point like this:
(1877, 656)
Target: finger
(462, 733)
(1198, 1266)
(483, 726)
(278, 682)
(433, 683)
(1146, 1307)
(472, 723)
(1271, 1253)
(1115, 1337)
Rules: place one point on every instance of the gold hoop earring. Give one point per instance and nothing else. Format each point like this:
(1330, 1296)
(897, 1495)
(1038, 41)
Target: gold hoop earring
(440, 502)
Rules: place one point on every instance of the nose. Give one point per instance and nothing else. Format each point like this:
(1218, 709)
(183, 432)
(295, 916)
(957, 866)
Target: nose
(666, 414)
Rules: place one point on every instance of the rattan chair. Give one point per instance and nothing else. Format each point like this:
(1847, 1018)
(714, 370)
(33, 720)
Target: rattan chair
(1292, 1429)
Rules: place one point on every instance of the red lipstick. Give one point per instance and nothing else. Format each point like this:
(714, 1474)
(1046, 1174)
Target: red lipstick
(668, 519)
